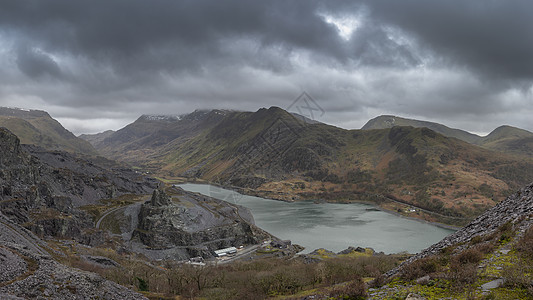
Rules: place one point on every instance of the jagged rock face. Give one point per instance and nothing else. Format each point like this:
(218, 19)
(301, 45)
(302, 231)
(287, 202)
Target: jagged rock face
(9, 148)
(43, 189)
(85, 181)
(160, 198)
(194, 221)
(17, 168)
(27, 271)
(517, 208)
(61, 226)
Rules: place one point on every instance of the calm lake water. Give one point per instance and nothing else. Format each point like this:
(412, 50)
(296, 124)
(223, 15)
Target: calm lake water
(332, 226)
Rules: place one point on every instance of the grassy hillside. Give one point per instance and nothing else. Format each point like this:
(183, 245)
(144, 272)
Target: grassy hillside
(383, 122)
(414, 171)
(507, 139)
(38, 128)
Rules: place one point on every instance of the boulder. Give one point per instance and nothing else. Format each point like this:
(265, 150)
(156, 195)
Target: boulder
(160, 198)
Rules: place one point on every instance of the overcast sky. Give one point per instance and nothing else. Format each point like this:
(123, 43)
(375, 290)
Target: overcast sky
(100, 64)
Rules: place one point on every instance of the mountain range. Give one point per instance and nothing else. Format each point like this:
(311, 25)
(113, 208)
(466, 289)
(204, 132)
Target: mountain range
(64, 212)
(449, 174)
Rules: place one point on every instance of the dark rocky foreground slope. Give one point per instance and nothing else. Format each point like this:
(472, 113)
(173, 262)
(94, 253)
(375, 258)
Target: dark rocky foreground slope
(44, 199)
(517, 210)
(490, 258)
(43, 190)
(27, 271)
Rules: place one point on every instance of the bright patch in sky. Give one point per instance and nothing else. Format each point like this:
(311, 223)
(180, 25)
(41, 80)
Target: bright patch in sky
(345, 25)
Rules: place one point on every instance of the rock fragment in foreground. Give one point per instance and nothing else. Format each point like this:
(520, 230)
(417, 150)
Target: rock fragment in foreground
(30, 276)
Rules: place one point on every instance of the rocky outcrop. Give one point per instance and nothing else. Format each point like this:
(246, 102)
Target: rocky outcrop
(43, 189)
(197, 223)
(85, 180)
(101, 261)
(516, 209)
(29, 275)
(160, 198)
(353, 249)
(27, 271)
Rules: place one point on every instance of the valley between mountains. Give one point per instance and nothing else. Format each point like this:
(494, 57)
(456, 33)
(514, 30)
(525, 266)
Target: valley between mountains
(447, 175)
(99, 216)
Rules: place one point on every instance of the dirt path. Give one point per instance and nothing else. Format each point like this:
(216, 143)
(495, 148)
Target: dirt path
(10, 232)
(108, 212)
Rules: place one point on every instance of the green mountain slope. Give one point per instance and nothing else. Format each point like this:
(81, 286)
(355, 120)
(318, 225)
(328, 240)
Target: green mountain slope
(383, 122)
(505, 138)
(139, 141)
(509, 140)
(274, 154)
(38, 128)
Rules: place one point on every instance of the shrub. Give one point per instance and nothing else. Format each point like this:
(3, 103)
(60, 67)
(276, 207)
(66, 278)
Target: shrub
(525, 244)
(518, 276)
(469, 256)
(420, 268)
(485, 248)
(476, 240)
(355, 290)
(504, 238)
(143, 285)
(462, 274)
(378, 282)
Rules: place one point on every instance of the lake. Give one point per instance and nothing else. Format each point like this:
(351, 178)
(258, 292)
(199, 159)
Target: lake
(330, 225)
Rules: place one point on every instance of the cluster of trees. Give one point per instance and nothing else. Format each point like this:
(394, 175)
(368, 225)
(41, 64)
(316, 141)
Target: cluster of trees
(250, 280)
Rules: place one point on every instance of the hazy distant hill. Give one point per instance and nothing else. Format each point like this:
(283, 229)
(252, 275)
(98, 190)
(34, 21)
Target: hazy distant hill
(36, 127)
(277, 155)
(506, 139)
(95, 139)
(386, 121)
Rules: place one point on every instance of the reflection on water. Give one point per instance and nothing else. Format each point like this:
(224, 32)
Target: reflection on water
(332, 226)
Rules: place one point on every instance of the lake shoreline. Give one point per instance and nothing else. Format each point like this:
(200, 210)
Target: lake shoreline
(373, 204)
(331, 225)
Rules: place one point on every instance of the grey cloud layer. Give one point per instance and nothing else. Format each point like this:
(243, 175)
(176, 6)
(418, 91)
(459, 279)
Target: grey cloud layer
(183, 35)
(493, 37)
(118, 59)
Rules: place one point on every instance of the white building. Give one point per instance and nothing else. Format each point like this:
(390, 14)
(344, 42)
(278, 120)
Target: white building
(225, 251)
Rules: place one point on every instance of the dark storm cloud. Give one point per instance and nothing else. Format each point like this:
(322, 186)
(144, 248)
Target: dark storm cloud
(494, 38)
(36, 64)
(116, 59)
(176, 35)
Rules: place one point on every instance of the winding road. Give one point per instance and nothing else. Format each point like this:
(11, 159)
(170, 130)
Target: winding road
(110, 211)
